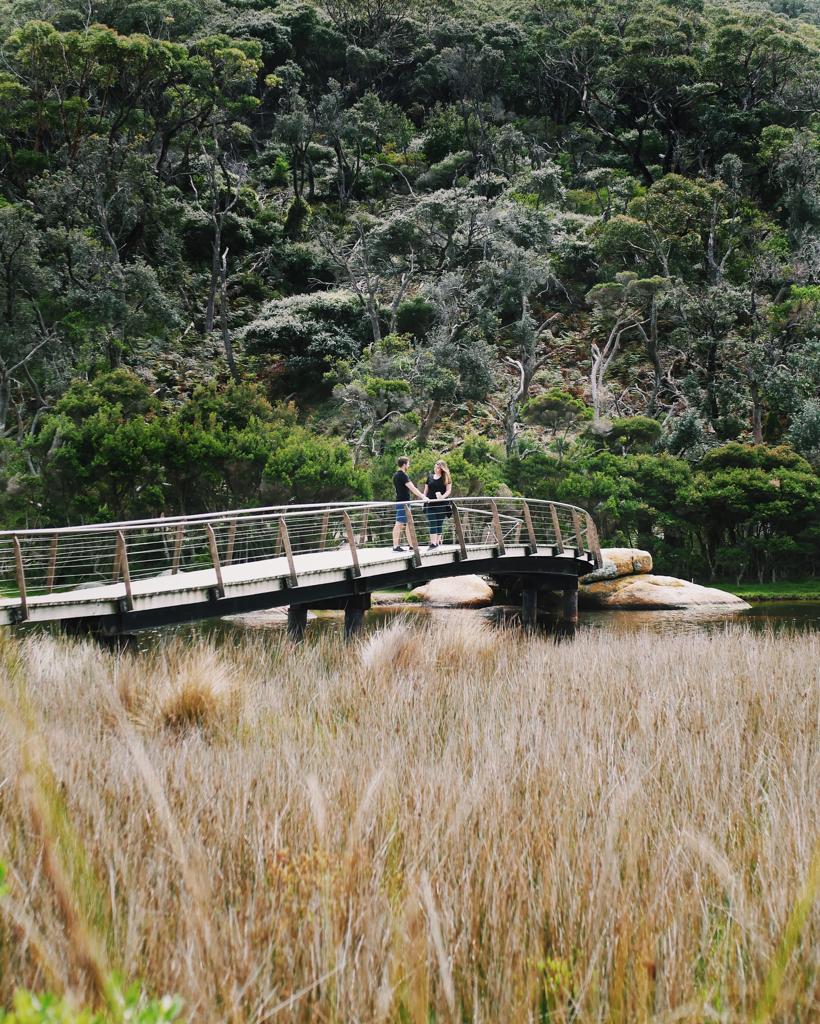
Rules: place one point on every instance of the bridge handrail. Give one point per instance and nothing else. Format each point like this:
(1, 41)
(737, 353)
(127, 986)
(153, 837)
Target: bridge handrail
(262, 511)
(44, 561)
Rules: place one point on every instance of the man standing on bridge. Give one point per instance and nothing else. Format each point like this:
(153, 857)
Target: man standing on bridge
(404, 485)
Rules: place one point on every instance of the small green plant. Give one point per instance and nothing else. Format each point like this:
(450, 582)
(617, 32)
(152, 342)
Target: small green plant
(130, 1006)
(555, 983)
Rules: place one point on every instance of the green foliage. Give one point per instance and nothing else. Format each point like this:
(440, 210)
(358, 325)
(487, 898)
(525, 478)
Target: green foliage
(804, 434)
(305, 468)
(308, 333)
(603, 206)
(633, 434)
(110, 450)
(739, 509)
(757, 508)
(476, 465)
(131, 1007)
(555, 409)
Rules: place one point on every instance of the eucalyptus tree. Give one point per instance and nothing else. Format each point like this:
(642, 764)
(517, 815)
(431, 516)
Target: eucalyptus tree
(357, 133)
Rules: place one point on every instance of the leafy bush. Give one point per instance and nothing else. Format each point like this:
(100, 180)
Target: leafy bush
(134, 1008)
(306, 468)
(111, 451)
(309, 334)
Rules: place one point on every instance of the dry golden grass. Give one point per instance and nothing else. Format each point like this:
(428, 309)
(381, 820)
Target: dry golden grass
(441, 823)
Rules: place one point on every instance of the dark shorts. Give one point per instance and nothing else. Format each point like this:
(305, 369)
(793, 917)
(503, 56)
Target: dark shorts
(401, 512)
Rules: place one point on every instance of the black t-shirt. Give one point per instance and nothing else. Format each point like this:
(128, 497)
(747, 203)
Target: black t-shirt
(400, 482)
(435, 487)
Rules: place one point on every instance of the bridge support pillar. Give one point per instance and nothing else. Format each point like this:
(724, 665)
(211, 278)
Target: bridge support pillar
(529, 609)
(297, 622)
(355, 607)
(569, 612)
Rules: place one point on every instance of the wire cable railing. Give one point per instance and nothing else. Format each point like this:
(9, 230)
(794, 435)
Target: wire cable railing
(41, 562)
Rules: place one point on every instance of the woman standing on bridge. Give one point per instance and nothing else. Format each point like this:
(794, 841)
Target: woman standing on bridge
(438, 487)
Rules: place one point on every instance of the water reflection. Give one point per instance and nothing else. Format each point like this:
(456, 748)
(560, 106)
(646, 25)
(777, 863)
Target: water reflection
(800, 616)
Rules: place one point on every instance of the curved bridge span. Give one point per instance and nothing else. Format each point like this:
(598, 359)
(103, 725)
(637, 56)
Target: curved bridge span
(120, 577)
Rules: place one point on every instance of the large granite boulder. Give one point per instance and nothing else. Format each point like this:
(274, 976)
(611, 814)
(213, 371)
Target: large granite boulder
(620, 562)
(454, 592)
(647, 591)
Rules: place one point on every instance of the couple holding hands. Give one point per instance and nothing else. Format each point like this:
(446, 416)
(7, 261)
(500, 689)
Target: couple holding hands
(438, 487)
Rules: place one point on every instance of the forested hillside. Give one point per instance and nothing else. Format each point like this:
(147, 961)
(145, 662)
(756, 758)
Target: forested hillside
(252, 250)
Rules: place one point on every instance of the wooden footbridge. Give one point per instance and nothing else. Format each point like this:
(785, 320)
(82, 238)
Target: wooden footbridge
(117, 578)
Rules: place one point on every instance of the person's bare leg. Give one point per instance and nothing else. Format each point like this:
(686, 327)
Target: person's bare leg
(397, 532)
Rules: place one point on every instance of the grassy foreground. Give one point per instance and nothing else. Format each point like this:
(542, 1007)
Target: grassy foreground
(439, 824)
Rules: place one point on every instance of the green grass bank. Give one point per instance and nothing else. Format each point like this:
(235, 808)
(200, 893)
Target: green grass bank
(807, 590)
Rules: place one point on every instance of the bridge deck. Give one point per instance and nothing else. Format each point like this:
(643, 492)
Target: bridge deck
(314, 569)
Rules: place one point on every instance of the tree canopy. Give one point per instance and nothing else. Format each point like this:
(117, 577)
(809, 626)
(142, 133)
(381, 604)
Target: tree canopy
(585, 233)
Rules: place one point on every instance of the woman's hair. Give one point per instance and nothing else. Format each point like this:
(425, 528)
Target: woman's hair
(445, 470)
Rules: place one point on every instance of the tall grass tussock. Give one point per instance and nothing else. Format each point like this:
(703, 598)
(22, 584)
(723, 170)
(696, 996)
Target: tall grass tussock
(440, 822)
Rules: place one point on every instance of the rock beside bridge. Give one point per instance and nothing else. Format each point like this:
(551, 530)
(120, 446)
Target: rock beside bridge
(620, 562)
(454, 592)
(263, 619)
(647, 591)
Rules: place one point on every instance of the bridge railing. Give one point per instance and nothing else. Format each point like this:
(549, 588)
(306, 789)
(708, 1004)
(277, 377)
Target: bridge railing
(52, 561)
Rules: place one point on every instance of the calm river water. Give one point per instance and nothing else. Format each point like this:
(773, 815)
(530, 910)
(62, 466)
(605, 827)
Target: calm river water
(800, 616)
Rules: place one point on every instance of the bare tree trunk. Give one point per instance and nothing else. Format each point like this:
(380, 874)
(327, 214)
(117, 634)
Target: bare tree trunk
(601, 359)
(227, 344)
(5, 401)
(429, 421)
(216, 249)
(373, 316)
(653, 351)
(510, 421)
(757, 413)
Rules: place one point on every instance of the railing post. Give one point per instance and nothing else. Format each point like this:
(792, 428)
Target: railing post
(220, 585)
(323, 530)
(533, 540)
(576, 526)
(458, 529)
(351, 540)
(231, 543)
(497, 529)
(556, 529)
(411, 536)
(363, 531)
(52, 563)
(21, 579)
(115, 565)
(284, 537)
(125, 569)
(594, 542)
(178, 539)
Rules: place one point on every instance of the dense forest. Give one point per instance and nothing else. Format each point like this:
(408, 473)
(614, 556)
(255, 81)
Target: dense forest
(252, 250)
